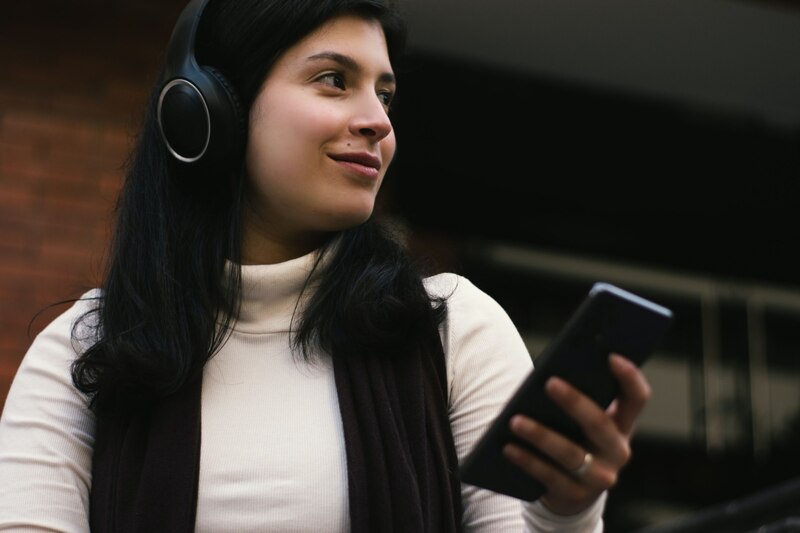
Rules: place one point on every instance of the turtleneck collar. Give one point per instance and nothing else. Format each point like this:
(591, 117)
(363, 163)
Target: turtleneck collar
(270, 294)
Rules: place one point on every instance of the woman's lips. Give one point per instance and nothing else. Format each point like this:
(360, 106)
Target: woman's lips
(363, 164)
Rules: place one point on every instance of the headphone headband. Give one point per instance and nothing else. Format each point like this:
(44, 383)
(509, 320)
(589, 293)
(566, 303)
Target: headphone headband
(180, 51)
(199, 115)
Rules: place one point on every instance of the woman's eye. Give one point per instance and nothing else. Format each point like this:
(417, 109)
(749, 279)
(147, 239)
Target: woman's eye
(386, 97)
(333, 79)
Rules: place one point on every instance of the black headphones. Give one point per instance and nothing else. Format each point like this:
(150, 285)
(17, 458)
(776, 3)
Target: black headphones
(199, 115)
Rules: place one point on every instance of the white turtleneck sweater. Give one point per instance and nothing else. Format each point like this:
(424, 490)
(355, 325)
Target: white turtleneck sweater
(272, 451)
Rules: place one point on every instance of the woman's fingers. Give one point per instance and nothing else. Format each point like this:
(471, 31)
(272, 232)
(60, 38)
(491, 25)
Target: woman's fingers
(566, 492)
(635, 391)
(559, 448)
(600, 429)
(574, 460)
(575, 474)
(553, 477)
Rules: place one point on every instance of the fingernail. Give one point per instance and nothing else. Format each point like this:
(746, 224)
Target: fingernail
(621, 362)
(556, 385)
(520, 423)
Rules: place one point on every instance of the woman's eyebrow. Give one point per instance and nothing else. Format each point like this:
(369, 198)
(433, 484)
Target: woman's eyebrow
(348, 63)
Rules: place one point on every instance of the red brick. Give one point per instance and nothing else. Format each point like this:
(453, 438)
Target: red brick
(68, 117)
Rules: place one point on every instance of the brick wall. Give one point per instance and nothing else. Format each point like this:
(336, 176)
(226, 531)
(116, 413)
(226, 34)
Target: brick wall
(73, 83)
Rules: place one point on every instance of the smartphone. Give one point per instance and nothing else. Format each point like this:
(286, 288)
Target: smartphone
(608, 320)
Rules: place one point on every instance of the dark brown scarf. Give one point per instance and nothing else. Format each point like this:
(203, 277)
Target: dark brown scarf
(401, 461)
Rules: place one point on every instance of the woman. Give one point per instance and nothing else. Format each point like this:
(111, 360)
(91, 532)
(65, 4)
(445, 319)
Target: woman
(263, 356)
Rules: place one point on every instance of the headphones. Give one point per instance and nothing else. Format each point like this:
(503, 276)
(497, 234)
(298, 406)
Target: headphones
(199, 115)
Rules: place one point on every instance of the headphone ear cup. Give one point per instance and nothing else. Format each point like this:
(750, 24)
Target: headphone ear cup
(199, 115)
(201, 118)
(184, 120)
(235, 114)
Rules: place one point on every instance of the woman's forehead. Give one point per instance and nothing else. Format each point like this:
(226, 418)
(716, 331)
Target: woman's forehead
(347, 36)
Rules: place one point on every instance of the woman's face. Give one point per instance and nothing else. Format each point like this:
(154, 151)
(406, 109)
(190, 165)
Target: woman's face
(320, 139)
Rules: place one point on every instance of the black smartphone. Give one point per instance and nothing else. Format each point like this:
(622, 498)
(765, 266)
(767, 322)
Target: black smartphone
(608, 320)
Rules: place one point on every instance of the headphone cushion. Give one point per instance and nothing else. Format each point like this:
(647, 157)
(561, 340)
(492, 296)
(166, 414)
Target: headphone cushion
(238, 122)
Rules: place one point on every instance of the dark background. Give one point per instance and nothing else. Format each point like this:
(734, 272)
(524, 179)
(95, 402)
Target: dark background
(537, 162)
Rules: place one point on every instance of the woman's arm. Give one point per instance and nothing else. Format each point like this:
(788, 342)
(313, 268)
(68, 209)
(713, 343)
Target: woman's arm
(486, 361)
(46, 437)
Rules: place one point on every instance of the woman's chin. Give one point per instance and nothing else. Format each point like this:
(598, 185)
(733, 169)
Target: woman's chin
(351, 218)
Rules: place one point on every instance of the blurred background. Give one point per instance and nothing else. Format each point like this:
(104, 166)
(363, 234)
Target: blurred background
(543, 146)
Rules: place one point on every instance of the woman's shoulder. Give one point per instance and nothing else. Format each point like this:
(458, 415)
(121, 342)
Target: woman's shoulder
(76, 327)
(42, 383)
(474, 319)
(463, 297)
(485, 354)
(85, 303)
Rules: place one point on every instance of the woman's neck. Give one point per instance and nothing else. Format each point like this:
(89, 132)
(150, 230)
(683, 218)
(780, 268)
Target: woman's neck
(262, 245)
(259, 251)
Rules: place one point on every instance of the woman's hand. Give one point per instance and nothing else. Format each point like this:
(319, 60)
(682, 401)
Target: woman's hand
(589, 469)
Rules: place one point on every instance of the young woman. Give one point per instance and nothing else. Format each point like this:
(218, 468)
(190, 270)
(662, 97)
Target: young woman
(263, 356)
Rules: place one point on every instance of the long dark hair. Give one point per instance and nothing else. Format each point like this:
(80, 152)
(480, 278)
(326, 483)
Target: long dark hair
(171, 296)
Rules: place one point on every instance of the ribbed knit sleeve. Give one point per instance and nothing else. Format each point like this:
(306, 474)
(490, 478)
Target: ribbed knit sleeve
(46, 437)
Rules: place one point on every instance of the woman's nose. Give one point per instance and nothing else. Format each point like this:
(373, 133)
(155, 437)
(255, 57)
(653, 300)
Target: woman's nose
(371, 119)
